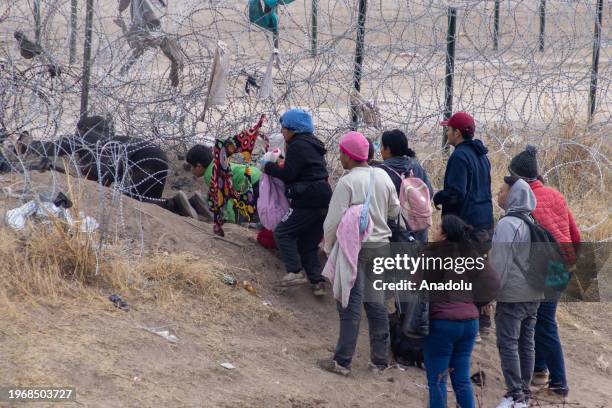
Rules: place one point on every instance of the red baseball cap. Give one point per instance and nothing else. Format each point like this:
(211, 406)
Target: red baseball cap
(461, 121)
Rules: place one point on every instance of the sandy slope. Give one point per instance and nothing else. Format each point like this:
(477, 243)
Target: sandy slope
(89, 344)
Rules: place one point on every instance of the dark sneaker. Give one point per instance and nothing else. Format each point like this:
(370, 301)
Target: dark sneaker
(319, 289)
(558, 391)
(182, 206)
(331, 365)
(200, 206)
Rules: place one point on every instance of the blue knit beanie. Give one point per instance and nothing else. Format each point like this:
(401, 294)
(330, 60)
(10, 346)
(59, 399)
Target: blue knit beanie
(297, 120)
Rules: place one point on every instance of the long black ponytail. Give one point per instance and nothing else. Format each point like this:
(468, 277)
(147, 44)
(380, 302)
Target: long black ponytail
(455, 229)
(397, 142)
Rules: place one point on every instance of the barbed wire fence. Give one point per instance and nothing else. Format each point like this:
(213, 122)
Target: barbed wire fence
(520, 67)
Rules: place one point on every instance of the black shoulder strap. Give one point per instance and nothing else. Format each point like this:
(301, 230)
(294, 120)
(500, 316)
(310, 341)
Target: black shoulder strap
(521, 216)
(525, 219)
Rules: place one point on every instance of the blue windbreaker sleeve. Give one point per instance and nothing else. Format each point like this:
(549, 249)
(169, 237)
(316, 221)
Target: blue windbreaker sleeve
(455, 184)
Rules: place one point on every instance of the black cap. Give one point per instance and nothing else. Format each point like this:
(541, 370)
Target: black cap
(525, 164)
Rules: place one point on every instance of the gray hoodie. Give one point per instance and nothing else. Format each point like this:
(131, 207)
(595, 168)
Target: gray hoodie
(511, 245)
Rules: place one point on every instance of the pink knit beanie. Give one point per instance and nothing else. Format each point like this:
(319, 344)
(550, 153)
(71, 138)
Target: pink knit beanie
(355, 146)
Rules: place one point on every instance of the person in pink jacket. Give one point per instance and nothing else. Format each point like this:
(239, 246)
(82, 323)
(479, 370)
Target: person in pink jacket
(553, 213)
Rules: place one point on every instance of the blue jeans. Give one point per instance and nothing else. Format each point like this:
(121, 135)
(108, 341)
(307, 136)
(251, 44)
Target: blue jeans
(448, 349)
(549, 353)
(376, 311)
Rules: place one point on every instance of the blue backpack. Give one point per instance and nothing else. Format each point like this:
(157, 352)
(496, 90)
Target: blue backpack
(364, 216)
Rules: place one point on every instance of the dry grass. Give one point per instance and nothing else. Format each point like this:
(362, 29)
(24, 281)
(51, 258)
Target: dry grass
(51, 265)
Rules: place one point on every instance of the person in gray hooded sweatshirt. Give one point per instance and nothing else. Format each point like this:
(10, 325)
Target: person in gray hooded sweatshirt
(517, 302)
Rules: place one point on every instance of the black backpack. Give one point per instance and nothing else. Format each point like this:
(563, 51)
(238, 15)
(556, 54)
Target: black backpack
(547, 269)
(407, 351)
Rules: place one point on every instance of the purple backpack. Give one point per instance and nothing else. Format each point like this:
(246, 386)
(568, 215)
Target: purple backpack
(272, 205)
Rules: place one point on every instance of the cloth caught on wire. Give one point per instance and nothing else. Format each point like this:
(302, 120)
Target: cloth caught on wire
(145, 32)
(265, 90)
(217, 85)
(221, 188)
(264, 15)
(366, 110)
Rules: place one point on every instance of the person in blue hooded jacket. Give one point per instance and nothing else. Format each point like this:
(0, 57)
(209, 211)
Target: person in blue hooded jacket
(467, 180)
(467, 188)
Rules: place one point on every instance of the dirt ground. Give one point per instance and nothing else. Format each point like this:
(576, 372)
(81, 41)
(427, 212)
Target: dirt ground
(112, 362)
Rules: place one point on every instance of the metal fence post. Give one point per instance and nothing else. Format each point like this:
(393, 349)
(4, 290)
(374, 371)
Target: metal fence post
(542, 24)
(496, 26)
(37, 21)
(74, 8)
(358, 57)
(86, 58)
(314, 23)
(595, 64)
(450, 67)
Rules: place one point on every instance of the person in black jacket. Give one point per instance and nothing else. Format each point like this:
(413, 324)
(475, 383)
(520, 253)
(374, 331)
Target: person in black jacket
(305, 175)
(467, 188)
(138, 166)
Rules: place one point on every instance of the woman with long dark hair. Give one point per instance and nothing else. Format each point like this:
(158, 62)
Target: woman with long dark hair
(453, 315)
(400, 160)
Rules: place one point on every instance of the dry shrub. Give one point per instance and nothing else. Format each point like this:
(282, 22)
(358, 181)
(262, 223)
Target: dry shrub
(50, 264)
(168, 278)
(70, 255)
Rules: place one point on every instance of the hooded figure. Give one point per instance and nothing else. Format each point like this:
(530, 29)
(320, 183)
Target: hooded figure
(511, 246)
(517, 301)
(467, 185)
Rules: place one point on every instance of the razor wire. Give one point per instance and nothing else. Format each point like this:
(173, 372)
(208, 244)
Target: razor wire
(514, 90)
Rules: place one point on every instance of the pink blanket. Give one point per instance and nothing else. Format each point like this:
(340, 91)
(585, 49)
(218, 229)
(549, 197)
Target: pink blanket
(341, 266)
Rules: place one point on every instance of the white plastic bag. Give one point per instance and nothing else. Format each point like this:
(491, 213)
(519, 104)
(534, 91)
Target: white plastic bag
(265, 91)
(217, 83)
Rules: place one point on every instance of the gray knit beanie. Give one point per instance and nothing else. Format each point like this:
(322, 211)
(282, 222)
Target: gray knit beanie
(525, 164)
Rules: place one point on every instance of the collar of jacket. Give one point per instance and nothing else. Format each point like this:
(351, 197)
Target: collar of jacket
(299, 135)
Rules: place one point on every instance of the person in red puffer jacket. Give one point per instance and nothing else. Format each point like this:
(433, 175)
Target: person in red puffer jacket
(553, 213)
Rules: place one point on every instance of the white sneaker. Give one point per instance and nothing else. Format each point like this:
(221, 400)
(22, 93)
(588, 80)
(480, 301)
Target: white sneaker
(291, 279)
(508, 402)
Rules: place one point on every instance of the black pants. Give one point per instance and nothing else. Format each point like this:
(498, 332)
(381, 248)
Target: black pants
(297, 237)
(147, 180)
(482, 240)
